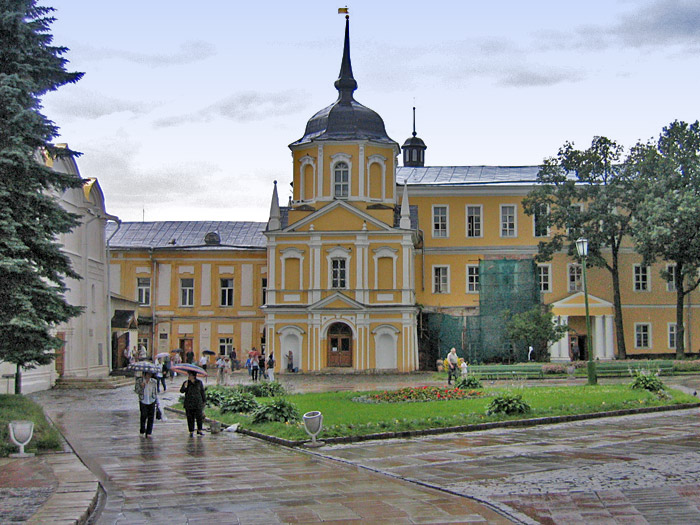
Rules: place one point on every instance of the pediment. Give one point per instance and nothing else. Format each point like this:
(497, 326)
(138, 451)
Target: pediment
(337, 301)
(338, 216)
(575, 304)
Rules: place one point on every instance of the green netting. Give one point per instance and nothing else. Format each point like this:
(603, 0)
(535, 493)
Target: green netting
(506, 287)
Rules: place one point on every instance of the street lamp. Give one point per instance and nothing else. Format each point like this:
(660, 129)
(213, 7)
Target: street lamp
(582, 249)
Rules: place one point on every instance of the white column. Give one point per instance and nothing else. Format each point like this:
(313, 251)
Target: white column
(599, 348)
(559, 350)
(609, 336)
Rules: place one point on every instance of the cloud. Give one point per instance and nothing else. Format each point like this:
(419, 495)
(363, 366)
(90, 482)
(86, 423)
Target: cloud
(188, 53)
(535, 78)
(92, 105)
(242, 107)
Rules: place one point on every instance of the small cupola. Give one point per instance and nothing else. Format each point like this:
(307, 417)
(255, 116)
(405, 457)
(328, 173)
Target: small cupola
(414, 149)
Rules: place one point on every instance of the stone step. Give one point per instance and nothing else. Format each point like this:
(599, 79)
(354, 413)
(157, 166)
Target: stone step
(87, 382)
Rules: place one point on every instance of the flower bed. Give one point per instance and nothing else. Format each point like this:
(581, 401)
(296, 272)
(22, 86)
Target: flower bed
(422, 393)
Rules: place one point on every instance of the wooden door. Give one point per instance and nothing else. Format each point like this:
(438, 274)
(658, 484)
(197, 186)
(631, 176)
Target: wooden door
(60, 360)
(339, 345)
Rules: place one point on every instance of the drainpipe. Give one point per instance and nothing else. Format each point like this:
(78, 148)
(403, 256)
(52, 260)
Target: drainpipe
(154, 274)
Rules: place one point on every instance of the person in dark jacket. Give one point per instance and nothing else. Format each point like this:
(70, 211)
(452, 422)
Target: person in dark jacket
(195, 399)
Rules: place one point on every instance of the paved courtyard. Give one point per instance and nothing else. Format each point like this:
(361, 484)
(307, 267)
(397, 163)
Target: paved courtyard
(633, 470)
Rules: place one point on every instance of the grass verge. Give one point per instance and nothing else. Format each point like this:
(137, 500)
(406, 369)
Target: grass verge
(17, 407)
(343, 417)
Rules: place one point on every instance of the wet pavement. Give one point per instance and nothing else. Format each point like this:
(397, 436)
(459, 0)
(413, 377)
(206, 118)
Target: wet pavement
(633, 469)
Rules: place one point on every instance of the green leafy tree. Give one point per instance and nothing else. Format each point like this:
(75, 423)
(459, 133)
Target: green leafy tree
(668, 219)
(32, 267)
(535, 327)
(588, 193)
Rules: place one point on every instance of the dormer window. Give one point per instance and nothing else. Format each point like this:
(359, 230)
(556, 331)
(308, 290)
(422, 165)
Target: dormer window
(341, 180)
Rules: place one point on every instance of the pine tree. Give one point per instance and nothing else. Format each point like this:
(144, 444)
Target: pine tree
(32, 266)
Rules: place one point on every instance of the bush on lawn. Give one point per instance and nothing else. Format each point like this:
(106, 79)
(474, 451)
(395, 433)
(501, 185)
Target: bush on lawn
(277, 410)
(239, 402)
(264, 389)
(508, 403)
(646, 380)
(469, 382)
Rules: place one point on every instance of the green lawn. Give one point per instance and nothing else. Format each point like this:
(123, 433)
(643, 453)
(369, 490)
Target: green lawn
(344, 417)
(15, 407)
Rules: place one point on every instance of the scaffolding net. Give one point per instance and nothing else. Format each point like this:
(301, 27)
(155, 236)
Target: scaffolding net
(506, 287)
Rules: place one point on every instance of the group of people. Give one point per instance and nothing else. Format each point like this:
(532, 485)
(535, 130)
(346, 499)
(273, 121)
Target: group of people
(149, 405)
(260, 367)
(453, 366)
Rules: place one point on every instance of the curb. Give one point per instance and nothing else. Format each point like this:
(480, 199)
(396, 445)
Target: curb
(552, 420)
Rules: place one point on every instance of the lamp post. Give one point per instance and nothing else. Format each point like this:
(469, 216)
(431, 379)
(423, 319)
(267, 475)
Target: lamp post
(582, 249)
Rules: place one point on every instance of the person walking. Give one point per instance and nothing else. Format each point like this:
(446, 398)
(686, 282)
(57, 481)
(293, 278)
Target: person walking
(204, 361)
(189, 356)
(254, 367)
(160, 378)
(195, 399)
(147, 391)
(220, 367)
(249, 366)
(271, 367)
(177, 359)
(262, 366)
(452, 362)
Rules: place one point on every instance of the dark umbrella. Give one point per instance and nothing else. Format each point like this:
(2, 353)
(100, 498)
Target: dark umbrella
(176, 351)
(145, 366)
(187, 367)
(208, 352)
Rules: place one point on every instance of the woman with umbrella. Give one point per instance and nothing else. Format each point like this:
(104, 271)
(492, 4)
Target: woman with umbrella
(147, 391)
(195, 398)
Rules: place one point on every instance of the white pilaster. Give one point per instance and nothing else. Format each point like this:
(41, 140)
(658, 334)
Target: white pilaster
(609, 336)
(599, 348)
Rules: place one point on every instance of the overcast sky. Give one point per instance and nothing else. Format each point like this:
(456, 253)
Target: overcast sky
(186, 109)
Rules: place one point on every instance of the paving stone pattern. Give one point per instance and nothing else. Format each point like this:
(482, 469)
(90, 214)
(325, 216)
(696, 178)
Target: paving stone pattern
(232, 478)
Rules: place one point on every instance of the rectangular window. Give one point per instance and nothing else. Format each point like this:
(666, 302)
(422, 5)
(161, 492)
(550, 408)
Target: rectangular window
(642, 335)
(227, 292)
(143, 285)
(472, 278)
(576, 210)
(575, 278)
(341, 180)
(264, 290)
(671, 279)
(440, 221)
(474, 221)
(641, 278)
(508, 221)
(441, 279)
(187, 292)
(544, 278)
(338, 272)
(225, 345)
(672, 336)
(540, 226)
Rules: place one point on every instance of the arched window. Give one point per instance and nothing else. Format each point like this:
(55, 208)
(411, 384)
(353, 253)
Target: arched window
(341, 180)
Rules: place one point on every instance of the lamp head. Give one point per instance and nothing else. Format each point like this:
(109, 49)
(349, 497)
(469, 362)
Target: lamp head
(582, 247)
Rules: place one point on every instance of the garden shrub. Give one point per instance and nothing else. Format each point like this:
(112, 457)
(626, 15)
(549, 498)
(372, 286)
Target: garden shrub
(278, 410)
(646, 380)
(687, 365)
(216, 394)
(239, 402)
(468, 382)
(553, 369)
(508, 403)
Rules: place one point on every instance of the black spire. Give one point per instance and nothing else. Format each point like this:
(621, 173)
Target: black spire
(346, 83)
(414, 148)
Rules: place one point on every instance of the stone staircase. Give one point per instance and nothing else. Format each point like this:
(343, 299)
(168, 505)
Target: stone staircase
(65, 383)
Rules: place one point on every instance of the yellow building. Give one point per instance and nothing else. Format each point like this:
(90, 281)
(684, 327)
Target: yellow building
(342, 277)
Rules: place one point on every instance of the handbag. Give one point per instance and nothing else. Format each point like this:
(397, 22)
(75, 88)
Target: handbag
(159, 414)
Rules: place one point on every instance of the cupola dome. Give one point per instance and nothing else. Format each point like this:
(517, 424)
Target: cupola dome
(345, 119)
(414, 149)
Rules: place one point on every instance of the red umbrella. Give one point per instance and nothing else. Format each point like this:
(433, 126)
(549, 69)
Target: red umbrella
(187, 367)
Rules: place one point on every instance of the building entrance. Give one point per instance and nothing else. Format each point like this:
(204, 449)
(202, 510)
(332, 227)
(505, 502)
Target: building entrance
(339, 345)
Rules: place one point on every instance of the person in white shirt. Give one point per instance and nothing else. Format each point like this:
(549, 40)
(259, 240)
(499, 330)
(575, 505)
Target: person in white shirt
(452, 362)
(148, 399)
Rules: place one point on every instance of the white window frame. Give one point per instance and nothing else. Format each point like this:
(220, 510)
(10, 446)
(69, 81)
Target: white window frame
(338, 253)
(581, 208)
(671, 281)
(446, 268)
(574, 267)
(186, 292)
(380, 253)
(226, 292)
(225, 343)
(437, 232)
(544, 269)
(507, 232)
(336, 159)
(472, 274)
(672, 335)
(304, 161)
(143, 293)
(638, 334)
(534, 224)
(480, 217)
(339, 273)
(641, 282)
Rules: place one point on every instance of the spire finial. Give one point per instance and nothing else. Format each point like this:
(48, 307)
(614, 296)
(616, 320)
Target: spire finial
(346, 83)
(414, 121)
